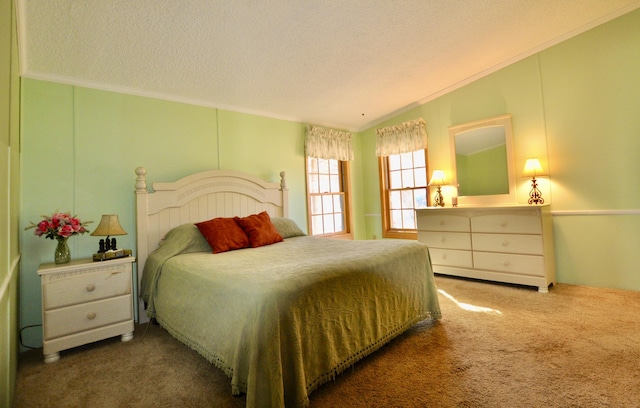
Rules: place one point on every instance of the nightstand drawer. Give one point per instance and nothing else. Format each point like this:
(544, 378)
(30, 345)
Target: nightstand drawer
(508, 243)
(87, 287)
(74, 319)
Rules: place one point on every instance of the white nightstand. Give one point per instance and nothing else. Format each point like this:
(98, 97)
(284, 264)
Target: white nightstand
(85, 301)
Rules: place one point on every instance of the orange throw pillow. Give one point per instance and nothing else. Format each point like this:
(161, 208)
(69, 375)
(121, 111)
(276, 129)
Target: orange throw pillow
(259, 229)
(223, 234)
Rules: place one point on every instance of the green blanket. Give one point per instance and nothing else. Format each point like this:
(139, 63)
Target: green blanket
(282, 319)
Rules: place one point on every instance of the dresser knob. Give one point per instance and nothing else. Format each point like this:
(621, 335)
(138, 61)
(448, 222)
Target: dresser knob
(91, 316)
(505, 263)
(442, 239)
(91, 288)
(503, 224)
(505, 243)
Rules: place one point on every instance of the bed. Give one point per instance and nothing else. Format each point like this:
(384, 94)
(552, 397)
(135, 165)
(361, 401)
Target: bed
(282, 318)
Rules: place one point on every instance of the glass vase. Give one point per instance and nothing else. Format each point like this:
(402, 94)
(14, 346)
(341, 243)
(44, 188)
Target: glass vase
(62, 254)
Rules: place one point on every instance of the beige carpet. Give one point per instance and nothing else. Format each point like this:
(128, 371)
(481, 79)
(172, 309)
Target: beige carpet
(496, 346)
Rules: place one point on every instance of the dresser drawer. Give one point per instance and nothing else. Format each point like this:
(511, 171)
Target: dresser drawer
(451, 257)
(510, 243)
(78, 318)
(509, 223)
(521, 264)
(86, 287)
(443, 222)
(447, 240)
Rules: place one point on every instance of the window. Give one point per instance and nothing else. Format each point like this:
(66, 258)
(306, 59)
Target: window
(403, 186)
(329, 198)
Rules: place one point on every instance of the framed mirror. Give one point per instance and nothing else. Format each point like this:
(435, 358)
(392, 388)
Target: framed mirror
(482, 160)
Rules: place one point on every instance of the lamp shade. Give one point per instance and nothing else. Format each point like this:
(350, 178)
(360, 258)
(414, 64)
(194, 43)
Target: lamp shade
(532, 168)
(438, 178)
(109, 225)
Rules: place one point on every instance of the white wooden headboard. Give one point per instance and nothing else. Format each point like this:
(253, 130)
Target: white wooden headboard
(200, 197)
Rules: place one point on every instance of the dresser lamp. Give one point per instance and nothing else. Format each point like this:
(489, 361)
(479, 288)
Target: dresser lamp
(533, 169)
(109, 225)
(438, 179)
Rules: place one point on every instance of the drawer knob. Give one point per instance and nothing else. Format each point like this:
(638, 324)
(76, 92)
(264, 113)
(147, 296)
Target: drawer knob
(91, 287)
(503, 224)
(91, 316)
(505, 243)
(442, 239)
(505, 263)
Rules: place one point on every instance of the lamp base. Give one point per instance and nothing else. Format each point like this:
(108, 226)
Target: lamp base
(535, 195)
(112, 254)
(439, 199)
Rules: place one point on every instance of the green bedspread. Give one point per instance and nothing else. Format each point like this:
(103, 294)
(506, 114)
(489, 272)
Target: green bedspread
(282, 319)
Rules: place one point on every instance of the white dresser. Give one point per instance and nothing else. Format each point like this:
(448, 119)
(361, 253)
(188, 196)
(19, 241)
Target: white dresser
(85, 301)
(512, 244)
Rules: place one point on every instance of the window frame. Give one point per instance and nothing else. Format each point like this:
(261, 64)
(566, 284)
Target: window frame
(383, 174)
(345, 189)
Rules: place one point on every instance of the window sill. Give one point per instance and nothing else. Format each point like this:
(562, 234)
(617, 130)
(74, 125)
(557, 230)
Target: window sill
(400, 234)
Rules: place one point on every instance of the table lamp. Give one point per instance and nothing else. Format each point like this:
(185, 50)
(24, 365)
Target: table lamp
(109, 225)
(533, 169)
(438, 179)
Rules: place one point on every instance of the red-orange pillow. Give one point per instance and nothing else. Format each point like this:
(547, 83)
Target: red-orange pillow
(223, 234)
(259, 229)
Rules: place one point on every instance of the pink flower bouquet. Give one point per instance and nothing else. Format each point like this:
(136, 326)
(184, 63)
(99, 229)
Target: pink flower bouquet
(59, 225)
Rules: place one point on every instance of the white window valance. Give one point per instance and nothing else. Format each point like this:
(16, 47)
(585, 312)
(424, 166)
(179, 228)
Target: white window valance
(325, 143)
(403, 138)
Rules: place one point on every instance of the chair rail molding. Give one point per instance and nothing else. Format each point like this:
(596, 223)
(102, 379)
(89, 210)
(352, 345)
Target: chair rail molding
(596, 212)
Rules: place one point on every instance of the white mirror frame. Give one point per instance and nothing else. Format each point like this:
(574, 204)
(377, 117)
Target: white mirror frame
(486, 200)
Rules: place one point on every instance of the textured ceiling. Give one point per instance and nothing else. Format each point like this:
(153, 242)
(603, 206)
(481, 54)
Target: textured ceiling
(346, 64)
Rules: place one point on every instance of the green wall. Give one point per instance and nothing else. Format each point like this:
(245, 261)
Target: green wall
(515, 89)
(575, 106)
(264, 147)
(592, 108)
(9, 200)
